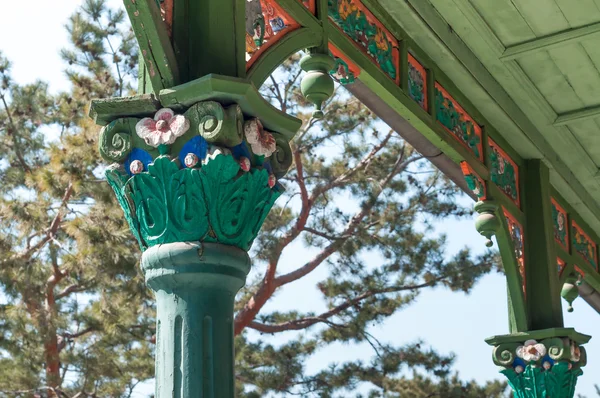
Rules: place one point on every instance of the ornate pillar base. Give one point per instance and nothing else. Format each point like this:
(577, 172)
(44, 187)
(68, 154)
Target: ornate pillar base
(195, 285)
(542, 363)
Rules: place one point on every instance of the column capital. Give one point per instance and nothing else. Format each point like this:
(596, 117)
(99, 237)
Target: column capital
(543, 363)
(203, 166)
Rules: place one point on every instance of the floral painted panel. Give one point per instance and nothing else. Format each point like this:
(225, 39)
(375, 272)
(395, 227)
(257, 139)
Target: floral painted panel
(583, 245)
(344, 70)
(311, 5)
(476, 184)
(516, 234)
(561, 266)
(266, 23)
(561, 225)
(457, 122)
(504, 172)
(357, 22)
(417, 82)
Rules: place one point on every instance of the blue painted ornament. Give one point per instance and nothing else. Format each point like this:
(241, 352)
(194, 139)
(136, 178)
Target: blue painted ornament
(277, 24)
(138, 157)
(196, 146)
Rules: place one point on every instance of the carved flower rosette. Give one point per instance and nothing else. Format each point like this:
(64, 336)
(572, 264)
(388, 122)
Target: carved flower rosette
(208, 174)
(548, 368)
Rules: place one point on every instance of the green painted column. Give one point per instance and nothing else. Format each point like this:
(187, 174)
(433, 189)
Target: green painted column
(540, 358)
(196, 178)
(194, 164)
(195, 285)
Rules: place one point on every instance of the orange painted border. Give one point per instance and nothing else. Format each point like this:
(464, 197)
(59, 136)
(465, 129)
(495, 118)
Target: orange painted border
(466, 116)
(467, 169)
(582, 232)
(418, 66)
(522, 270)
(336, 52)
(292, 25)
(493, 144)
(568, 237)
(395, 44)
(580, 271)
(311, 6)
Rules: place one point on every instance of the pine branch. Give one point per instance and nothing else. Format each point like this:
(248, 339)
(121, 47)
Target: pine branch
(13, 133)
(303, 323)
(350, 227)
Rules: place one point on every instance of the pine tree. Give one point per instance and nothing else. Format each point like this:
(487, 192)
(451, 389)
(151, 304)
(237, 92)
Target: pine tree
(75, 316)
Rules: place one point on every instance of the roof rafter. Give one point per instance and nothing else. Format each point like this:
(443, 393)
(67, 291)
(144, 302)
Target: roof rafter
(577, 115)
(552, 41)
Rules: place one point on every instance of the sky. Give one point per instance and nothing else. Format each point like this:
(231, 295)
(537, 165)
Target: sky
(31, 35)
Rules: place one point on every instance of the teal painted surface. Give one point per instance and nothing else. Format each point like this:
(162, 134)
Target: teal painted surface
(195, 285)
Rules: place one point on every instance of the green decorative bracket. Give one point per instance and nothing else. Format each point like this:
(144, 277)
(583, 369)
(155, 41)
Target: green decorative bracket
(541, 364)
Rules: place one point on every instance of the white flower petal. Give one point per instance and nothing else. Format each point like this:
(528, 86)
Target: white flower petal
(164, 114)
(179, 124)
(530, 342)
(145, 127)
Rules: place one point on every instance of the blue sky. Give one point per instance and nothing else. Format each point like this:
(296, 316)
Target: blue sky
(31, 34)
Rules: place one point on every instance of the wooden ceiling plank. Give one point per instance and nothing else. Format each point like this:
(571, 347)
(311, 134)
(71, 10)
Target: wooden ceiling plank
(543, 16)
(585, 12)
(505, 21)
(552, 41)
(577, 115)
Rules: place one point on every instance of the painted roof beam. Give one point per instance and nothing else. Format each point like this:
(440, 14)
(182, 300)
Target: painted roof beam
(552, 41)
(577, 115)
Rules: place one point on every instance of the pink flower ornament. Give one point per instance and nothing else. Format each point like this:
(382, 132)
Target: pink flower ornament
(261, 141)
(532, 351)
(163, 129)
(575, 352)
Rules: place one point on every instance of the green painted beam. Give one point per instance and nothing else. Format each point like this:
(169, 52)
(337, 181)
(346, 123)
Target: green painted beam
(155, 45)
(589, 32)
(395, 97)
(290, 44)
(576, 116)
(429, 23)
(543, 290)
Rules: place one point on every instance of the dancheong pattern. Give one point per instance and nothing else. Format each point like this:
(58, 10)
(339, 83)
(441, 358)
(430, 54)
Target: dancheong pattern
(516, 235)
(266, 23)
(457, 122)
(561, 225)
(417, 82)
(476, 184)
(504, 172)
(344, 71)
(583, 245)
(356, 21)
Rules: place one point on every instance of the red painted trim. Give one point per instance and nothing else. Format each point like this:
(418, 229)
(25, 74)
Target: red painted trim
(352, 67)
(492, 144)
(467, 169)
(310, 5)
(580, 271)
(272, 38)
(466, 116)
(561, 265)
(418, 66)
(568, 237)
